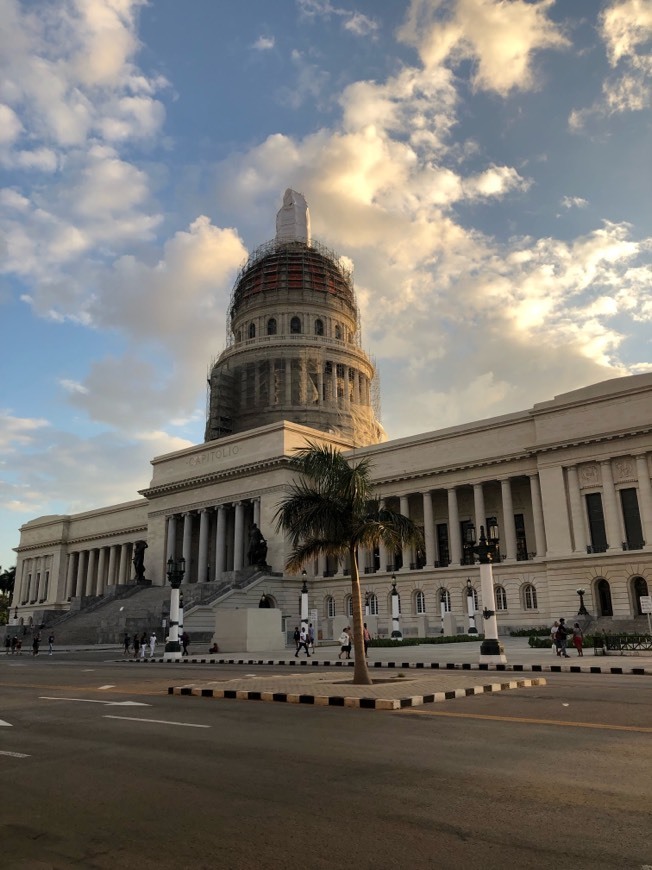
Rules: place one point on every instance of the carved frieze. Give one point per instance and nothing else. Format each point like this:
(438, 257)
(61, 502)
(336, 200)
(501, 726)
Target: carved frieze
(624, 469)
(589, 474)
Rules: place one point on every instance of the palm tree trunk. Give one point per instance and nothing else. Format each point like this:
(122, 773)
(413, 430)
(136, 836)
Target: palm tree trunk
(360, 670)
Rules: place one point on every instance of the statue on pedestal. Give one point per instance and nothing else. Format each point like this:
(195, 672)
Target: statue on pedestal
(139, 561)
(257, 550)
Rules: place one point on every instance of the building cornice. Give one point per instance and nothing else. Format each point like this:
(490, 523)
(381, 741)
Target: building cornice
(215, 477)
(81, 539)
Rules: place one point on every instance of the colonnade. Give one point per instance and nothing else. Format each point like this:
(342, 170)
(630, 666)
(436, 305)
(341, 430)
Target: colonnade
(213, 539)
(602, 481)
(34, 581)
(304, 380)
(89, 572)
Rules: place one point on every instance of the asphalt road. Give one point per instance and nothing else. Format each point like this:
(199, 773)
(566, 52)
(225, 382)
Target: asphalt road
(535, 778)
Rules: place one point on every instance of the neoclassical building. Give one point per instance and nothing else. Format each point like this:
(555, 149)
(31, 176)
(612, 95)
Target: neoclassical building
(566, 482)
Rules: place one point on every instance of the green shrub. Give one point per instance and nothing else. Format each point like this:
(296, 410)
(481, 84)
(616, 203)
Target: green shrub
(541, 631)
(540, 642)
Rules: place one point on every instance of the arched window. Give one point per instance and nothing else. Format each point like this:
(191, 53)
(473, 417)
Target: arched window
(639, 588)
(419, 602)
(295, 326)
(444, 597)
(330, 606)
(338, 331)
(271, 326)
(530, 597)
(319, 327)
(348, 606)
(372, 604)
(252, 330)
(501, 597)
(604, 597)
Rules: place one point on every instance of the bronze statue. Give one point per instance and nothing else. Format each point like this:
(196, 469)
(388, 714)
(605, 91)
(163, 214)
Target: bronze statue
(139, 560)
(257, 550)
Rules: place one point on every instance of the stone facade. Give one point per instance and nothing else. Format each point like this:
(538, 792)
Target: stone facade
(567, 483)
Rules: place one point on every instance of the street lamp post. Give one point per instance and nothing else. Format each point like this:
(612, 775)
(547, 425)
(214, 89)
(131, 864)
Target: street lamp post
(396, 612)
(176, 569)
(470, 606)
(582, 611)
(304, 600)
(490, 648)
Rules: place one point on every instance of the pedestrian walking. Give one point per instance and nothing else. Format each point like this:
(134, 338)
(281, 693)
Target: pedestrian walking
(19, 646)
(185, 640)
(561, 636)
(297, 638)
(152, 644)
(311, 637)
(35, 643)
(366, 636)
(14, 641)
(349, 634)
(578, 639)
(127, 643)
(135, 643)
(50, 644)
(553, 635)
(303, 641)
(343, 641)
(7, 645)
(143, 645)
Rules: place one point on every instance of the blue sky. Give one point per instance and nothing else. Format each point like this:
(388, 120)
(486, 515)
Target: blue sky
(484, 164)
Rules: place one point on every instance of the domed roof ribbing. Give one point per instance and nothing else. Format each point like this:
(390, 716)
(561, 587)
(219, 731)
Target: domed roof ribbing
(292, 266)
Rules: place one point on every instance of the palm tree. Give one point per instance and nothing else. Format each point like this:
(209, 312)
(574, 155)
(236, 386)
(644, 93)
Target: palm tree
(330, 511)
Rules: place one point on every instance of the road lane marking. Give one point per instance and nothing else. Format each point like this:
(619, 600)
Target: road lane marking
(2, 722)
(14, 754)
(158, 721)
(523, 721)
(110, 686)
(87, 670)
(97, 701)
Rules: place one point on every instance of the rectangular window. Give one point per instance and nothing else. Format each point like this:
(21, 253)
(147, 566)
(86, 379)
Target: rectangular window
(631, 519)
(467, 553)
(442, 542)
(595, 517)
(521, 541)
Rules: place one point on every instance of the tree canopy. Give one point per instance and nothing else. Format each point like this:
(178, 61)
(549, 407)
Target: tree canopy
(331, 510)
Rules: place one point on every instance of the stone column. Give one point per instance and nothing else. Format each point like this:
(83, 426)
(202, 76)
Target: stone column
(429, 529)
(124, 564)
(577, 510)
(303, 382)
(406, 550)
(334, 396)
(645, 496)
(256, 508)
(89, 586)
(454, 535)
(70, 575)
(288, 381)
(81, 573)
(171, 543)
(383, 554)
(202, 561)
(320, 383)
(238, 537)
(220, 543)
(272, 383)
(508, 518)
(347, 394)
(614, 537)
(186, 547)
(479, 509)
(537, 516)
(256, 385)
(111, 578)
(101, 570)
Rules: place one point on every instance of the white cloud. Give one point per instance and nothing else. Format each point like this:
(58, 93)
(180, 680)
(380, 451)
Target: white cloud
(352, 21)
(18, 431)
(264, 43)
(626, 30)
(574, 202)
(502, 38)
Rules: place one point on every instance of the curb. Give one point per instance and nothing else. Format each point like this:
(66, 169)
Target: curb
(361, 703)
(442, 666)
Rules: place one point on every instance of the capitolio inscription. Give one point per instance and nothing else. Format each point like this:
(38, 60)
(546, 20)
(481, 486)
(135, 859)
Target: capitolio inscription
(214, 455)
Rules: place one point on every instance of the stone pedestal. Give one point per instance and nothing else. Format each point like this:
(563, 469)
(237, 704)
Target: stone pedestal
(256, 629)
